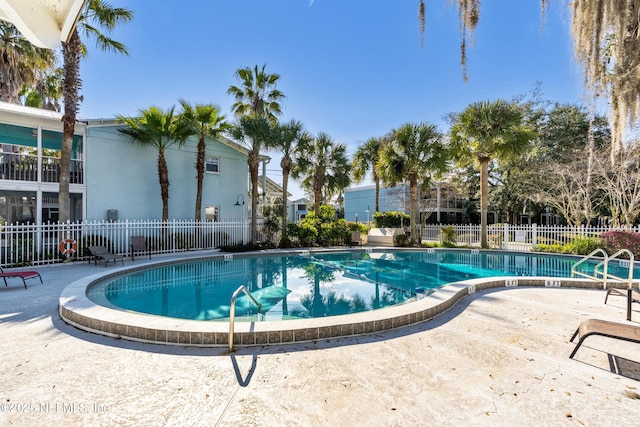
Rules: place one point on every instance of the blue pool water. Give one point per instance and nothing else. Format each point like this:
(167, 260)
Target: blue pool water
(293, 287)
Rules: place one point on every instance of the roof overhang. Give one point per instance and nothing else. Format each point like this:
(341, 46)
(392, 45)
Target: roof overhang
(45, 23)
(272, 187)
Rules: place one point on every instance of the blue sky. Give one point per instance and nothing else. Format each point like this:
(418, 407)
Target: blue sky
(351, 68)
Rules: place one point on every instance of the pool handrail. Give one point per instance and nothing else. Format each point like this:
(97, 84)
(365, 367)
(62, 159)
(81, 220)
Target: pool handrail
(232, 310)
(629, 280)
(605, 264)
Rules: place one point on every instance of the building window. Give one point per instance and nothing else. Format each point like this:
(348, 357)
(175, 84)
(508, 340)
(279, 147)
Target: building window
(212, 213)
(212, 164)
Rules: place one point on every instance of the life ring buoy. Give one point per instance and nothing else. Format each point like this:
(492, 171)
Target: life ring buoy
(68, 247)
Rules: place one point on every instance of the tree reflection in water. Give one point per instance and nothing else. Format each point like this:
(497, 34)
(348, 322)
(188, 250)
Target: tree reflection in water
(330, 304)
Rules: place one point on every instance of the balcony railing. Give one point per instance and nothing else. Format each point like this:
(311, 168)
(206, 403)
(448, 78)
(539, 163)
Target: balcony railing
(24, 167)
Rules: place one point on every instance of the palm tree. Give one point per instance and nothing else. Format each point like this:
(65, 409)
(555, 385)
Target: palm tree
(325, 166)
(160, 129)
(205, 121)
(483, 131)
(365, 158)
(251, 131)
(258, 98)
(414, 153)
(47, 91)
(96, 14)
(20, 62)
(257, 94)
(287, 138)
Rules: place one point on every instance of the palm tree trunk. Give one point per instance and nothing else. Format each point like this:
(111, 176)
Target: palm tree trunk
(71, 52)
(163, 177)
(285, 184)
(413, 208)
(377, 181)
(200, 162)
(5, 94)
(484, 201)
(253, 161)
(318, 183)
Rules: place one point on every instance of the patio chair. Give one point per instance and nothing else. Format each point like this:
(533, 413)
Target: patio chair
(631, 294)
(24, 275)
(139, 244)
(101, 253)
(620, 331)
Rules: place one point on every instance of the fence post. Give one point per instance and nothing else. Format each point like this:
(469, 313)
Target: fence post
(127, 235)
(505, 239)
(534, 234)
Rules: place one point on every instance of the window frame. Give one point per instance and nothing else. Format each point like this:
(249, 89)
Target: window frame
(206, 164)
(216, 214)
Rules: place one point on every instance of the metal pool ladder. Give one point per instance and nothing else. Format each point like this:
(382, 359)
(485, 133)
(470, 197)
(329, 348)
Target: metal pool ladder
(605, 264)
(232, 310)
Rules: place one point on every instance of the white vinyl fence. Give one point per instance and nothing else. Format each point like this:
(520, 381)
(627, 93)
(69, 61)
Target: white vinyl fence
(32, 244)
(517, 237)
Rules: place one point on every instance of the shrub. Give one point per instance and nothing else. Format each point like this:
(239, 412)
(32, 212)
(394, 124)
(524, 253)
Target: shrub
(285, 243)
(304, 232)
(358, 226)
(616, 240)
(448, 235)
(323, 228)
(391, 219)
(271, 224)
(401, 240)
(555, 248)
(334, 233)
(583, 245)
(577, 246)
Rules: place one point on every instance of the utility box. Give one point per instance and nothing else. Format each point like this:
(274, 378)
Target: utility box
(112, 215)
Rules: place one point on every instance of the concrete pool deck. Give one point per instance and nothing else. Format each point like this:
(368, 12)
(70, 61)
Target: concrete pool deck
(498, 357)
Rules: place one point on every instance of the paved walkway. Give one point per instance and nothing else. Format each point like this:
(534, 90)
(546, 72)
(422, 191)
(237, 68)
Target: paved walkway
(497, 358)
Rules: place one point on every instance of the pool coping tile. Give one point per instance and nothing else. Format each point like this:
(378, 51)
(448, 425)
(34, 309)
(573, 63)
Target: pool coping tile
(75, 308)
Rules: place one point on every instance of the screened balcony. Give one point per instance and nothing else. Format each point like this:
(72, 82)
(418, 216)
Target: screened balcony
(24, 167)
(20, 159)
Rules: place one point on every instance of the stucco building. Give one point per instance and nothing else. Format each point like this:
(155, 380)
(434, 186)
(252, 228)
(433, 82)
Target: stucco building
(112, 177)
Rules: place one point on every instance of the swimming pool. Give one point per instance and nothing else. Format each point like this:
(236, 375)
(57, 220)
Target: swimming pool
(312, 286)
(76, 309)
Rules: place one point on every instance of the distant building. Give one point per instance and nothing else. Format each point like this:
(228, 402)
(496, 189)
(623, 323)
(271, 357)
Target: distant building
(298, 209)
(441, 204)
(270, 193)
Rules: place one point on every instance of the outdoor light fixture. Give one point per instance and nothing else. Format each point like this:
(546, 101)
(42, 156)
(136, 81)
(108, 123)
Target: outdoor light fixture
(237, 203)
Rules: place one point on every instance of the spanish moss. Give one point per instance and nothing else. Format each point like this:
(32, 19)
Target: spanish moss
(606, 41)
